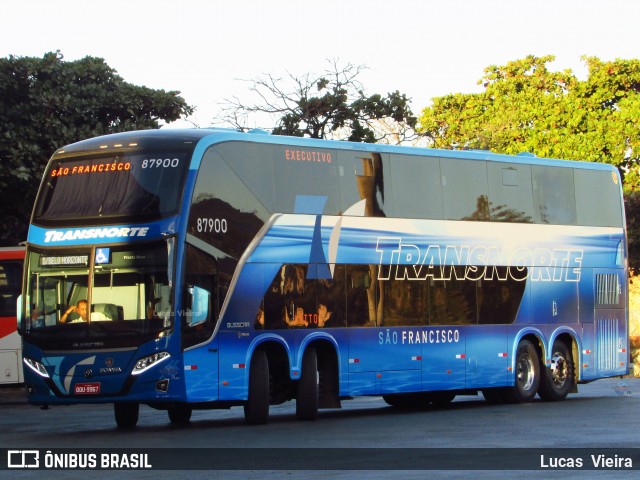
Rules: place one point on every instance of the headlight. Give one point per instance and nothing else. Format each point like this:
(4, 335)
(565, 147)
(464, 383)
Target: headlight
(149, 361)
(36, 367)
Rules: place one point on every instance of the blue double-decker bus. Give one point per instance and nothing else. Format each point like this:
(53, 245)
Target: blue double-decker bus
(198, 269)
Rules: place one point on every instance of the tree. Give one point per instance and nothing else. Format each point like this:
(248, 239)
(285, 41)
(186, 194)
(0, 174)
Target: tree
(46, 103)
(330, 105)
(525, 107)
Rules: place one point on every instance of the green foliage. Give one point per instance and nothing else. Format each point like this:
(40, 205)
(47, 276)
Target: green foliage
(525, 107)
(46, 103)
(632, 209)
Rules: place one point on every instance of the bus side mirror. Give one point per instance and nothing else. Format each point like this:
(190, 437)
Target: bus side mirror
(199, 306)
(19, 314)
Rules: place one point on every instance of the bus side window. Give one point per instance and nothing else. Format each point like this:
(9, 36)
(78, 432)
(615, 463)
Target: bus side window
(361, 296)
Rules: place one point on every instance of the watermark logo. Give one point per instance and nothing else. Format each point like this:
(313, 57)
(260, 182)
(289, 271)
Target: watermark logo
(623, 389)
(23, 459)
(83, 459)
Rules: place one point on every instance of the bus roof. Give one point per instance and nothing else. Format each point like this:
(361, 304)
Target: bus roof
(210, 136)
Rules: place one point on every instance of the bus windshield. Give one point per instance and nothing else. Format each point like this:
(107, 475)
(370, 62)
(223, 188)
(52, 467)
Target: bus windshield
(103, 297)
(111, 187)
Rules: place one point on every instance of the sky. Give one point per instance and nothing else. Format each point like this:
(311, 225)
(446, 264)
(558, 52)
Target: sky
(423, 48)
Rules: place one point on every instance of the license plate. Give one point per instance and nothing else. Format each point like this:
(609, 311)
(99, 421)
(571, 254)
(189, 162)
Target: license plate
(87, 388)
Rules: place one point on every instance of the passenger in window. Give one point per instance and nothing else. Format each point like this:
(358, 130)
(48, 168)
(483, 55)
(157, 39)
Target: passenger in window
(324, 316)
(298, 319)
(80, 313)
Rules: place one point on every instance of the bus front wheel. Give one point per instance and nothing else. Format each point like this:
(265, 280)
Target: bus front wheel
(126, 414)
(256, 409)
(180, 414)
(307, 401)
(557, 379)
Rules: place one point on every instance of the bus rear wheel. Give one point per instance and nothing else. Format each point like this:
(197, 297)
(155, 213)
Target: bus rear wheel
(527, 375)
(256, 409)
(557, 379)
(180, 414)
(126, 414)
(307, 401)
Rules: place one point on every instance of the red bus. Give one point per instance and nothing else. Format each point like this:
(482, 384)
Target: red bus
(11, 261)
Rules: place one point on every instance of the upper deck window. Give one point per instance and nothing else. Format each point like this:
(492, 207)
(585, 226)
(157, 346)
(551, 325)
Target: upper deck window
(113, 186)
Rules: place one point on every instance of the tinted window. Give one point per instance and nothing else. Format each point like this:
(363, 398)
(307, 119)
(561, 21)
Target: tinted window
(295, 300)
(253, 164)
(113, 186)
(603, 209)
(510, 193)
(553, 195)
(418, 193)
(405, 303)
(306, 180)
(130, 292)
(351, 298)
(464, 189)
(286, 179)
(224, 212)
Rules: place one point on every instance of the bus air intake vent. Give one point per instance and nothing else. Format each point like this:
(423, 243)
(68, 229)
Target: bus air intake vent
(607, 289)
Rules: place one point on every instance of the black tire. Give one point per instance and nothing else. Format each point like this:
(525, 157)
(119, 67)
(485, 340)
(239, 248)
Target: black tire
(527, 375)
(256, 409)
(307, 401)
(557, 379)
(180, 414)
(126, 414)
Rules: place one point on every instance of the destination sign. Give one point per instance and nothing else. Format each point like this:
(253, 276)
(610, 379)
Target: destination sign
(64, 260)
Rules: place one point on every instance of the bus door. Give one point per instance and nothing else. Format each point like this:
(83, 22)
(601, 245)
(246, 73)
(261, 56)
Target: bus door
(201, 307)
(611, 347)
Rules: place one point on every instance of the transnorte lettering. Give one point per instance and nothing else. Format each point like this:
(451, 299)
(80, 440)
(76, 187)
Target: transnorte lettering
(404, 261)
(91, 233)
